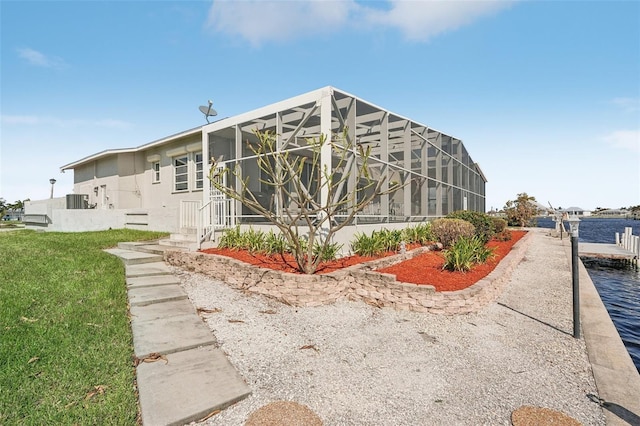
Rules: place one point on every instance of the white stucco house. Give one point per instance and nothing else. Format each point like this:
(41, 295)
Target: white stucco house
(163, 185)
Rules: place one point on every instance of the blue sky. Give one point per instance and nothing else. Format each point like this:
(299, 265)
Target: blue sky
(544, 94)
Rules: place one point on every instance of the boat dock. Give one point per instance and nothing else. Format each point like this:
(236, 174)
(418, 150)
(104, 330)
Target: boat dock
(627, 247)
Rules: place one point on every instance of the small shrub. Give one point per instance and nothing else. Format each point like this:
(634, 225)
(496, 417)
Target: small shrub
(368, 245)
(390, 238)
(420, 234)
(253, 241)
(481, 221)
(460, 256)
(424, 234)
(448, 231)
(465, 253)
(327, 252)
(505, 235)
(274, 244)
(304, 245)
(499, 224)
(410, 235)
(231, 238)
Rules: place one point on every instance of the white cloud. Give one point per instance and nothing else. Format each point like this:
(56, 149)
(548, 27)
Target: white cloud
(261, 21)
(625, 139)
(627, 104)
(264, 21)
(33, 120)
(422, 20)
(40, 59)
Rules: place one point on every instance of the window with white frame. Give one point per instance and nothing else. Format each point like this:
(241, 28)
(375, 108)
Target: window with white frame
(155, 169)
(181, 173)
(197, 159)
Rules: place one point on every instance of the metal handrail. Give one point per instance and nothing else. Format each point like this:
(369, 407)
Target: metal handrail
(200, 226)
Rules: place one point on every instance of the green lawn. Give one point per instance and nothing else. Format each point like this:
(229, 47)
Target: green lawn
(65, 341)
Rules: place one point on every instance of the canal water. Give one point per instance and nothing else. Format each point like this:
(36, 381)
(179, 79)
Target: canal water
(617, 284)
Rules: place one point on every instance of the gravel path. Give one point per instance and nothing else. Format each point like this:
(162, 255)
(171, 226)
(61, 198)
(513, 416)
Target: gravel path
(354, 364)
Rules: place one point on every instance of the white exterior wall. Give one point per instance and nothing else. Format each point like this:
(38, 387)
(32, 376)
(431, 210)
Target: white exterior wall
(45, 206)
(344, 237)
(86, 220)
(161, 194)
(123, 182)
(82, 220)
(99, 180)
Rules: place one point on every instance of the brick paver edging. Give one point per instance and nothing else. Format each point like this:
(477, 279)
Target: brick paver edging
(358, 282)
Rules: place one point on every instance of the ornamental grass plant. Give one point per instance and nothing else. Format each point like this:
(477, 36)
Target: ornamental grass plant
(465, 253)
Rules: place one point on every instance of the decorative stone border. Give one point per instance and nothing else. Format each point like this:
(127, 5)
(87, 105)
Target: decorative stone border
(358, 282)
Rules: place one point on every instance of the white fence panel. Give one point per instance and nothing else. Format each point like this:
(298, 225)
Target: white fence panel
(189, 211)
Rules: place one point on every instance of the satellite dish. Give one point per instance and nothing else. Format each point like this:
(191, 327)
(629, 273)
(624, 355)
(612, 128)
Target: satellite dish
(208, 111)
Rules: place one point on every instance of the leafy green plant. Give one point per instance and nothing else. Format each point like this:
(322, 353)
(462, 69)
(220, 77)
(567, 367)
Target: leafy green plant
(231, 238)
(327, 252)
(368, 245)
(420, 234)
(253, 241)
(465, 253)
(484, 228)
(505, 235)
(410, 235)
(423, 233)
(274, 243)
(459, 257)
(499, 224)
(391, 238)
(448, 231)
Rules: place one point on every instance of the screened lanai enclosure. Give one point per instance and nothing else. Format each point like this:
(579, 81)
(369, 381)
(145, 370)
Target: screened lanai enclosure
(432, 171)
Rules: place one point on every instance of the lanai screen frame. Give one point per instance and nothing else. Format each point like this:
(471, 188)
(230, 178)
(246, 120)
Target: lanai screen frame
(436, 171)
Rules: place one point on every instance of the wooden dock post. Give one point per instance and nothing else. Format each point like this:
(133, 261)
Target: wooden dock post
(629, 242)
(626, 248)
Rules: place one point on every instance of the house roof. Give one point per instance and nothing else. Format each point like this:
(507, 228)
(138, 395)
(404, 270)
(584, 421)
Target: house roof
(109, 152)
(295, 108)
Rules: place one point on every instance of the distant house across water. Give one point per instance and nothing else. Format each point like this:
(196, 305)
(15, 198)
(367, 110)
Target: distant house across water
(576, 211)
(613, 213)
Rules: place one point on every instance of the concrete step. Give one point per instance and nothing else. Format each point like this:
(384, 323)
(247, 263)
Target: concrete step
(141, 296)
(184, 244)
(170, 334)
(129, 257)
(151, 281)
(147, 269)
(188, 387)
(158, 311)
(148, 247)
(185, 235)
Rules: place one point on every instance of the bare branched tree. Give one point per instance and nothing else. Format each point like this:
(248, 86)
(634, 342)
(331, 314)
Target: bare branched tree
(310, 202)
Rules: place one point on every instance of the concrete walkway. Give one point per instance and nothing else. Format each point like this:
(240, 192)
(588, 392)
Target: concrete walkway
(615, 374)
(182, 376)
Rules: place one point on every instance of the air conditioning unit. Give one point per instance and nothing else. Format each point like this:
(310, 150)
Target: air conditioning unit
(77, 201)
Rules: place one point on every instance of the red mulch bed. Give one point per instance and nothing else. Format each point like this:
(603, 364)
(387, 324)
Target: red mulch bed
(423, 269)
(427, 268)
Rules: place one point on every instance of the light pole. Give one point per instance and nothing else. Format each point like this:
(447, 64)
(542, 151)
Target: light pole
(574, 224)
(52, 181)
